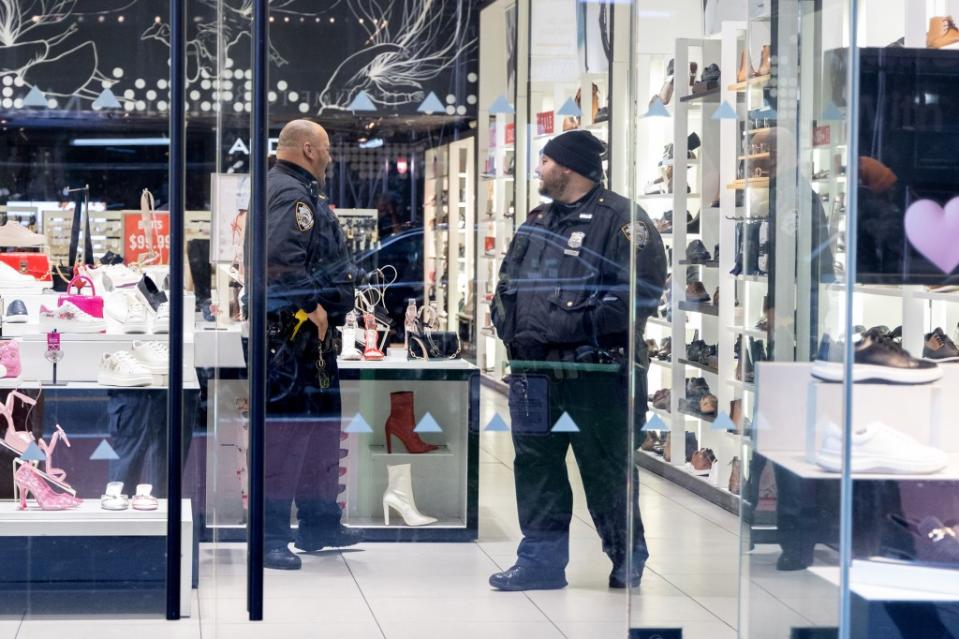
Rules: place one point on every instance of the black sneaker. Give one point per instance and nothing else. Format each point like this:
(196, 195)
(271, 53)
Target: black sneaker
(150, 294)
(878, 358)
(694, 350)
(520, 578)
(696, 252)
(939, 347)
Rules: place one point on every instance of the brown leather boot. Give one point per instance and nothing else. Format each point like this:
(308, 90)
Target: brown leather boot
(942, 33)
(401, 423)
(735, 476)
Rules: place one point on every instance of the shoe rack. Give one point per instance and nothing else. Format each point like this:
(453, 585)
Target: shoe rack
(711, 190)
(448, 220)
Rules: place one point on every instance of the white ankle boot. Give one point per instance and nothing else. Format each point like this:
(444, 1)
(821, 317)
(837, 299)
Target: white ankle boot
(399, 497)
(348, 351)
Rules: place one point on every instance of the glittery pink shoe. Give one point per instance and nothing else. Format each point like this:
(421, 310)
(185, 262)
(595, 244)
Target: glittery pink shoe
(29, 482)
(10, 357)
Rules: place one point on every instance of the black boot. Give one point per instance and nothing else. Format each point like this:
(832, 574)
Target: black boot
(281, 558)
(520, 578)
(311, 539)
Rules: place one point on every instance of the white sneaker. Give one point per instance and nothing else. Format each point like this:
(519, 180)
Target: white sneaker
(122, 369)
(15, 235)
(11, 278)
(116, 276)
(153, 356)
(877, 448)
(127, 310)
(67, 318)
(161, 319)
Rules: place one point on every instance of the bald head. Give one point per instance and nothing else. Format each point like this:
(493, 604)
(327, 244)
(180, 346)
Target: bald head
(307, 145)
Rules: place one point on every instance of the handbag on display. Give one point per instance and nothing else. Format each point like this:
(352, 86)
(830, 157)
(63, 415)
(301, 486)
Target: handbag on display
(91, 304)
(36, 265)
(426, 343)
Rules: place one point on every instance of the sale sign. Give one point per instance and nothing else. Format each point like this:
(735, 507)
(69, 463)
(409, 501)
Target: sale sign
(544, 123)
(139, 240)
(510, 133)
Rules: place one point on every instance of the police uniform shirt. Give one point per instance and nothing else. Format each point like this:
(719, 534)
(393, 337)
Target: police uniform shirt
(565, 280)
(308, 261)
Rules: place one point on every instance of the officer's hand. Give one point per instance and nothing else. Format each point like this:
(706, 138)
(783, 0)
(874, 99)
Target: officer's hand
(321, 319)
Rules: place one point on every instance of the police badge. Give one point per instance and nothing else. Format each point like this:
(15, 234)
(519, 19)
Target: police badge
(304, 216)
(576, 239)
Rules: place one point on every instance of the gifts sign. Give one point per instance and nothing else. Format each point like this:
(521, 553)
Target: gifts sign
(139, 240)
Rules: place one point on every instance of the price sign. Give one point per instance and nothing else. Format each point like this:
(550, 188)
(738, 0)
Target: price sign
(510, 133)
(53, 341)
(135, 242)
(544, 123)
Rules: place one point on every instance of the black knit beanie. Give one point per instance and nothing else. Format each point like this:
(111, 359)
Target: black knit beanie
(578, 150)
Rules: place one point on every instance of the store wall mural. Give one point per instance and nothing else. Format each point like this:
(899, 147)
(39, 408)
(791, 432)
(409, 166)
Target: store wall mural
(343, 56)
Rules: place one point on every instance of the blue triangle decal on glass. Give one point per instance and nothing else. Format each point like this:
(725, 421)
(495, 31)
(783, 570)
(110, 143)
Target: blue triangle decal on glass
(565, 424)
(106, 100)
(766, 113)
(832, 112)
(33, 453)
(502, 106)
(35, 98)
(361, 102)
(570, 109)
(104, 451)
(657, 109)
(431, 105)
(497, 425)
(358, 425)
(723, 422)
(427, 425)
(725, 111)
(656, 423)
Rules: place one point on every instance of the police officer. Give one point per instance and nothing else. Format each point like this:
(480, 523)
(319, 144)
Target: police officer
(309, 289)
(562, 309)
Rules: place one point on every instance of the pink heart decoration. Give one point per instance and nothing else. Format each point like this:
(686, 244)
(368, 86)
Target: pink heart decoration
(935, 232)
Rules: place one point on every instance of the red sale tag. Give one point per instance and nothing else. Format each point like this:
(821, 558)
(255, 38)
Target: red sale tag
(821, 136)
(138, 239)
(510, 133)
(53, 341)
(544, 123)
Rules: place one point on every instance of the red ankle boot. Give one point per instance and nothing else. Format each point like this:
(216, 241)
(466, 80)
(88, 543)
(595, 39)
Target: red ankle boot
(401, 423)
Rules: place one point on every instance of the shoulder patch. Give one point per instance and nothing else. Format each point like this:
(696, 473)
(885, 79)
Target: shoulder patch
(304, 216)
(636, 231)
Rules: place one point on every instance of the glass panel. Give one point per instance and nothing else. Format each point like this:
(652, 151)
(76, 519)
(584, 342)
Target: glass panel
(86, 322)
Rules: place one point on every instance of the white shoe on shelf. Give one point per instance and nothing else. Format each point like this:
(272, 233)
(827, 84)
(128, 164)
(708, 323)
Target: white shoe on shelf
(877, 448)
(348, 351)
(127, 310)
(122, 369)
(144, 499)
(161, 319)
(399, 497)
(67, 318)
(12, 278)
(152, 355)
(113, 497)
(15, 235)
(118, 276)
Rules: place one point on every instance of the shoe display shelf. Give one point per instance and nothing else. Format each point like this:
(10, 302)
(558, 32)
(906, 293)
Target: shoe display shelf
(448, 223)
(880, 585)
(699, 190)
(106, 544)
(501, 140)
(445, 396)
(791, 433)
(106, 232)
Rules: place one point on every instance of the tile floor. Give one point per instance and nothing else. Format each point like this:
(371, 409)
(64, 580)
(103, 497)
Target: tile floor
(399, 591)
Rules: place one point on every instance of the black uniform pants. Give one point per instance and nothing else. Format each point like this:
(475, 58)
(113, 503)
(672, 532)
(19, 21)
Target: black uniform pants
(594, 396)
(302, 437)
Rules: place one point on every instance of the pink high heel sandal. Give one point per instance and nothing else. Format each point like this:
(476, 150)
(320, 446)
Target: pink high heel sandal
(18, 440)
(58, 474)
(29, 482)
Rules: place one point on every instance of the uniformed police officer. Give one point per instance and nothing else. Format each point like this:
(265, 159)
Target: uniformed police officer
(562, 309)
(309, 289)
